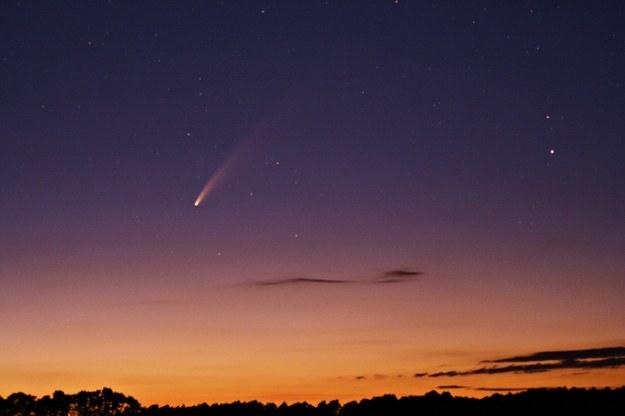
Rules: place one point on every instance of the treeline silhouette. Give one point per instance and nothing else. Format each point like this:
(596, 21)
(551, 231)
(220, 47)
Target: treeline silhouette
(556, 401)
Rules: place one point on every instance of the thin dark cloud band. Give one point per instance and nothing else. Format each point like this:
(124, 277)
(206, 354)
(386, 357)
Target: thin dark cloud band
(564, 355)
(390, 277)
(298, 280)
(611, 357)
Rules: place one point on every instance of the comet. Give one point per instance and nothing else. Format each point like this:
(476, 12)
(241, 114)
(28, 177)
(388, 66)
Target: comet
(212, 183)
(224, 170)
(262, 133)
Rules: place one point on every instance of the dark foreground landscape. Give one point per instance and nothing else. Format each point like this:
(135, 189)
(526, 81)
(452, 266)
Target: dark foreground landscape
(557, 401)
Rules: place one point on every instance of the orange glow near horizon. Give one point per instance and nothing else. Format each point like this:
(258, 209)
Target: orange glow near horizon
(297, 342)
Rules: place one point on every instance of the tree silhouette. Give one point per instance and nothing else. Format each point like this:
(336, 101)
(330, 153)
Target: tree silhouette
(328, 409)
(105, 402)
(21, 404)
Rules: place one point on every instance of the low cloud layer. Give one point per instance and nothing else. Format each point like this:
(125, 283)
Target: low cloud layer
(491, 389)
(496, 389)
(612, 357)
(564, 355)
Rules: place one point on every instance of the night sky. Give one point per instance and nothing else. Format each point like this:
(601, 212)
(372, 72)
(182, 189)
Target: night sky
(398, 197)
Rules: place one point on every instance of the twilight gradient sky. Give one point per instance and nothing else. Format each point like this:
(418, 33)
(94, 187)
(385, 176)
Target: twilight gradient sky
(401, 191)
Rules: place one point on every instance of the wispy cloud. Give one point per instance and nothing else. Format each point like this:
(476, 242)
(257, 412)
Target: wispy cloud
(376, 376)
(451, 387)
(397, 276)
(539, 367)
(612, 357)
(390, 277)
(495, 389)
(297, 281)
(564, 355)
